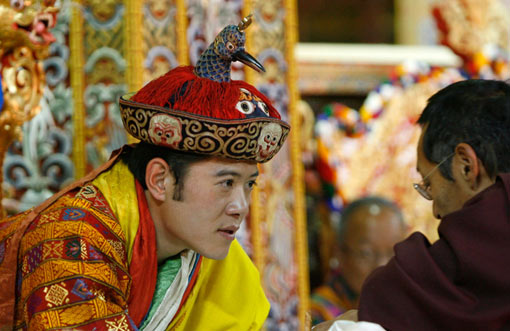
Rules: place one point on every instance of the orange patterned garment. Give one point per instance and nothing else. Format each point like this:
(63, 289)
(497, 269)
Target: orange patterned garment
(72, 266)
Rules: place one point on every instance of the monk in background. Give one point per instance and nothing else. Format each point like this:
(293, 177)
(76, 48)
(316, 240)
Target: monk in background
(369, 228)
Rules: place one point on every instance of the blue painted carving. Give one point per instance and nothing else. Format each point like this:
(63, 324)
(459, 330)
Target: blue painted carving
(40, 165)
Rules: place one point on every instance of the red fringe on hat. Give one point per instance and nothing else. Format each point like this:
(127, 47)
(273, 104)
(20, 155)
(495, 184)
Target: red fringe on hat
(181, 89)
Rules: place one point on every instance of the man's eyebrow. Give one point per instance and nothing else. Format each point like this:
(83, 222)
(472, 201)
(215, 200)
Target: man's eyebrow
(222, 173)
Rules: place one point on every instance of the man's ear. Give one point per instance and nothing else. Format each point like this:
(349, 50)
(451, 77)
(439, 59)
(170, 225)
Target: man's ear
(466, 163)
(157, 178)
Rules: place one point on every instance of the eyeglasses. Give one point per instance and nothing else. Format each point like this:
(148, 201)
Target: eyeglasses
(424, 189)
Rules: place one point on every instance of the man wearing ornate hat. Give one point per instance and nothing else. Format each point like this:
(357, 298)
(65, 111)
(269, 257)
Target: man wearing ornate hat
(148, 239)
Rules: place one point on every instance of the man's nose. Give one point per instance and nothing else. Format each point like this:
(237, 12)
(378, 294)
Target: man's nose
(240, 204)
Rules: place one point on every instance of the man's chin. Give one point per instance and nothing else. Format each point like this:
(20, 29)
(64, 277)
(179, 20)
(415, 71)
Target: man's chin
(217, 255)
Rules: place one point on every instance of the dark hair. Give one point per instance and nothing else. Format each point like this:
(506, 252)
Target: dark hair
(362, 203)
(179, 162)
(476, 112)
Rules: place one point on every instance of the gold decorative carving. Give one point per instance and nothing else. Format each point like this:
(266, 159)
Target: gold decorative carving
(103, 10)
(22, 83)
(76, 64)
(24, 40)
(134, 42)
(181, 27)
(245, 22)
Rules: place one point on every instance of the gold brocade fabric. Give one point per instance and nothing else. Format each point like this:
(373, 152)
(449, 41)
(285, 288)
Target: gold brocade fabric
(73, 266)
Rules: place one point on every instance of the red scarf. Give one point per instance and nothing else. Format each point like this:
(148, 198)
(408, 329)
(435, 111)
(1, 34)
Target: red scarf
(144, 262)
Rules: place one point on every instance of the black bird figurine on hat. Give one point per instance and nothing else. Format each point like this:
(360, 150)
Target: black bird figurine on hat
(227, 47)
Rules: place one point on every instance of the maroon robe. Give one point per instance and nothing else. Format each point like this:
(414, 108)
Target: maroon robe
(461, 282)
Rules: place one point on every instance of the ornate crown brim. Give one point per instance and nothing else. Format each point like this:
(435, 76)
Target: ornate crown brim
(250, 139)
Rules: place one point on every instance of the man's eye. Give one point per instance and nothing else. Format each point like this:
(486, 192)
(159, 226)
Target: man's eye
(252, 184)
(227, 183)
(366, 254)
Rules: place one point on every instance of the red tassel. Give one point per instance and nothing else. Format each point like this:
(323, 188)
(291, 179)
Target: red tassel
(181, 89)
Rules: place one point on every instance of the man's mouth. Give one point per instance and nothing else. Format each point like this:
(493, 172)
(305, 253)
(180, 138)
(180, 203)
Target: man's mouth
(229, 231)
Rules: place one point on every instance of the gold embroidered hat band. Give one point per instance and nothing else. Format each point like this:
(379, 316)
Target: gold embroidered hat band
(243, 139)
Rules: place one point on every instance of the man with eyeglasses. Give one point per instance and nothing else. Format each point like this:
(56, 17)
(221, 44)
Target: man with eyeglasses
(461, 281)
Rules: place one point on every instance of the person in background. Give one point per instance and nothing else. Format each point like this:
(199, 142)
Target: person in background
(369, 227)
(461, 281)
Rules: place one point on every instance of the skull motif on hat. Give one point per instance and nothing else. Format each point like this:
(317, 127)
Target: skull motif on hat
(165, 130)
(268, 140)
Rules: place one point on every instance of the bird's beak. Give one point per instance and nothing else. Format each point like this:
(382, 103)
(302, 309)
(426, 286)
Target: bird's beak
(249, 60)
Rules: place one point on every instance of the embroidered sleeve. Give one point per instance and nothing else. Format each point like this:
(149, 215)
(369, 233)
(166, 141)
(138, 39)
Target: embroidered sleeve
(73, 271)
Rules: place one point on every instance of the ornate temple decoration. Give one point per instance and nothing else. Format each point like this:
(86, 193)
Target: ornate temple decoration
(24, 41)
(105, 70)
(159, 38)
